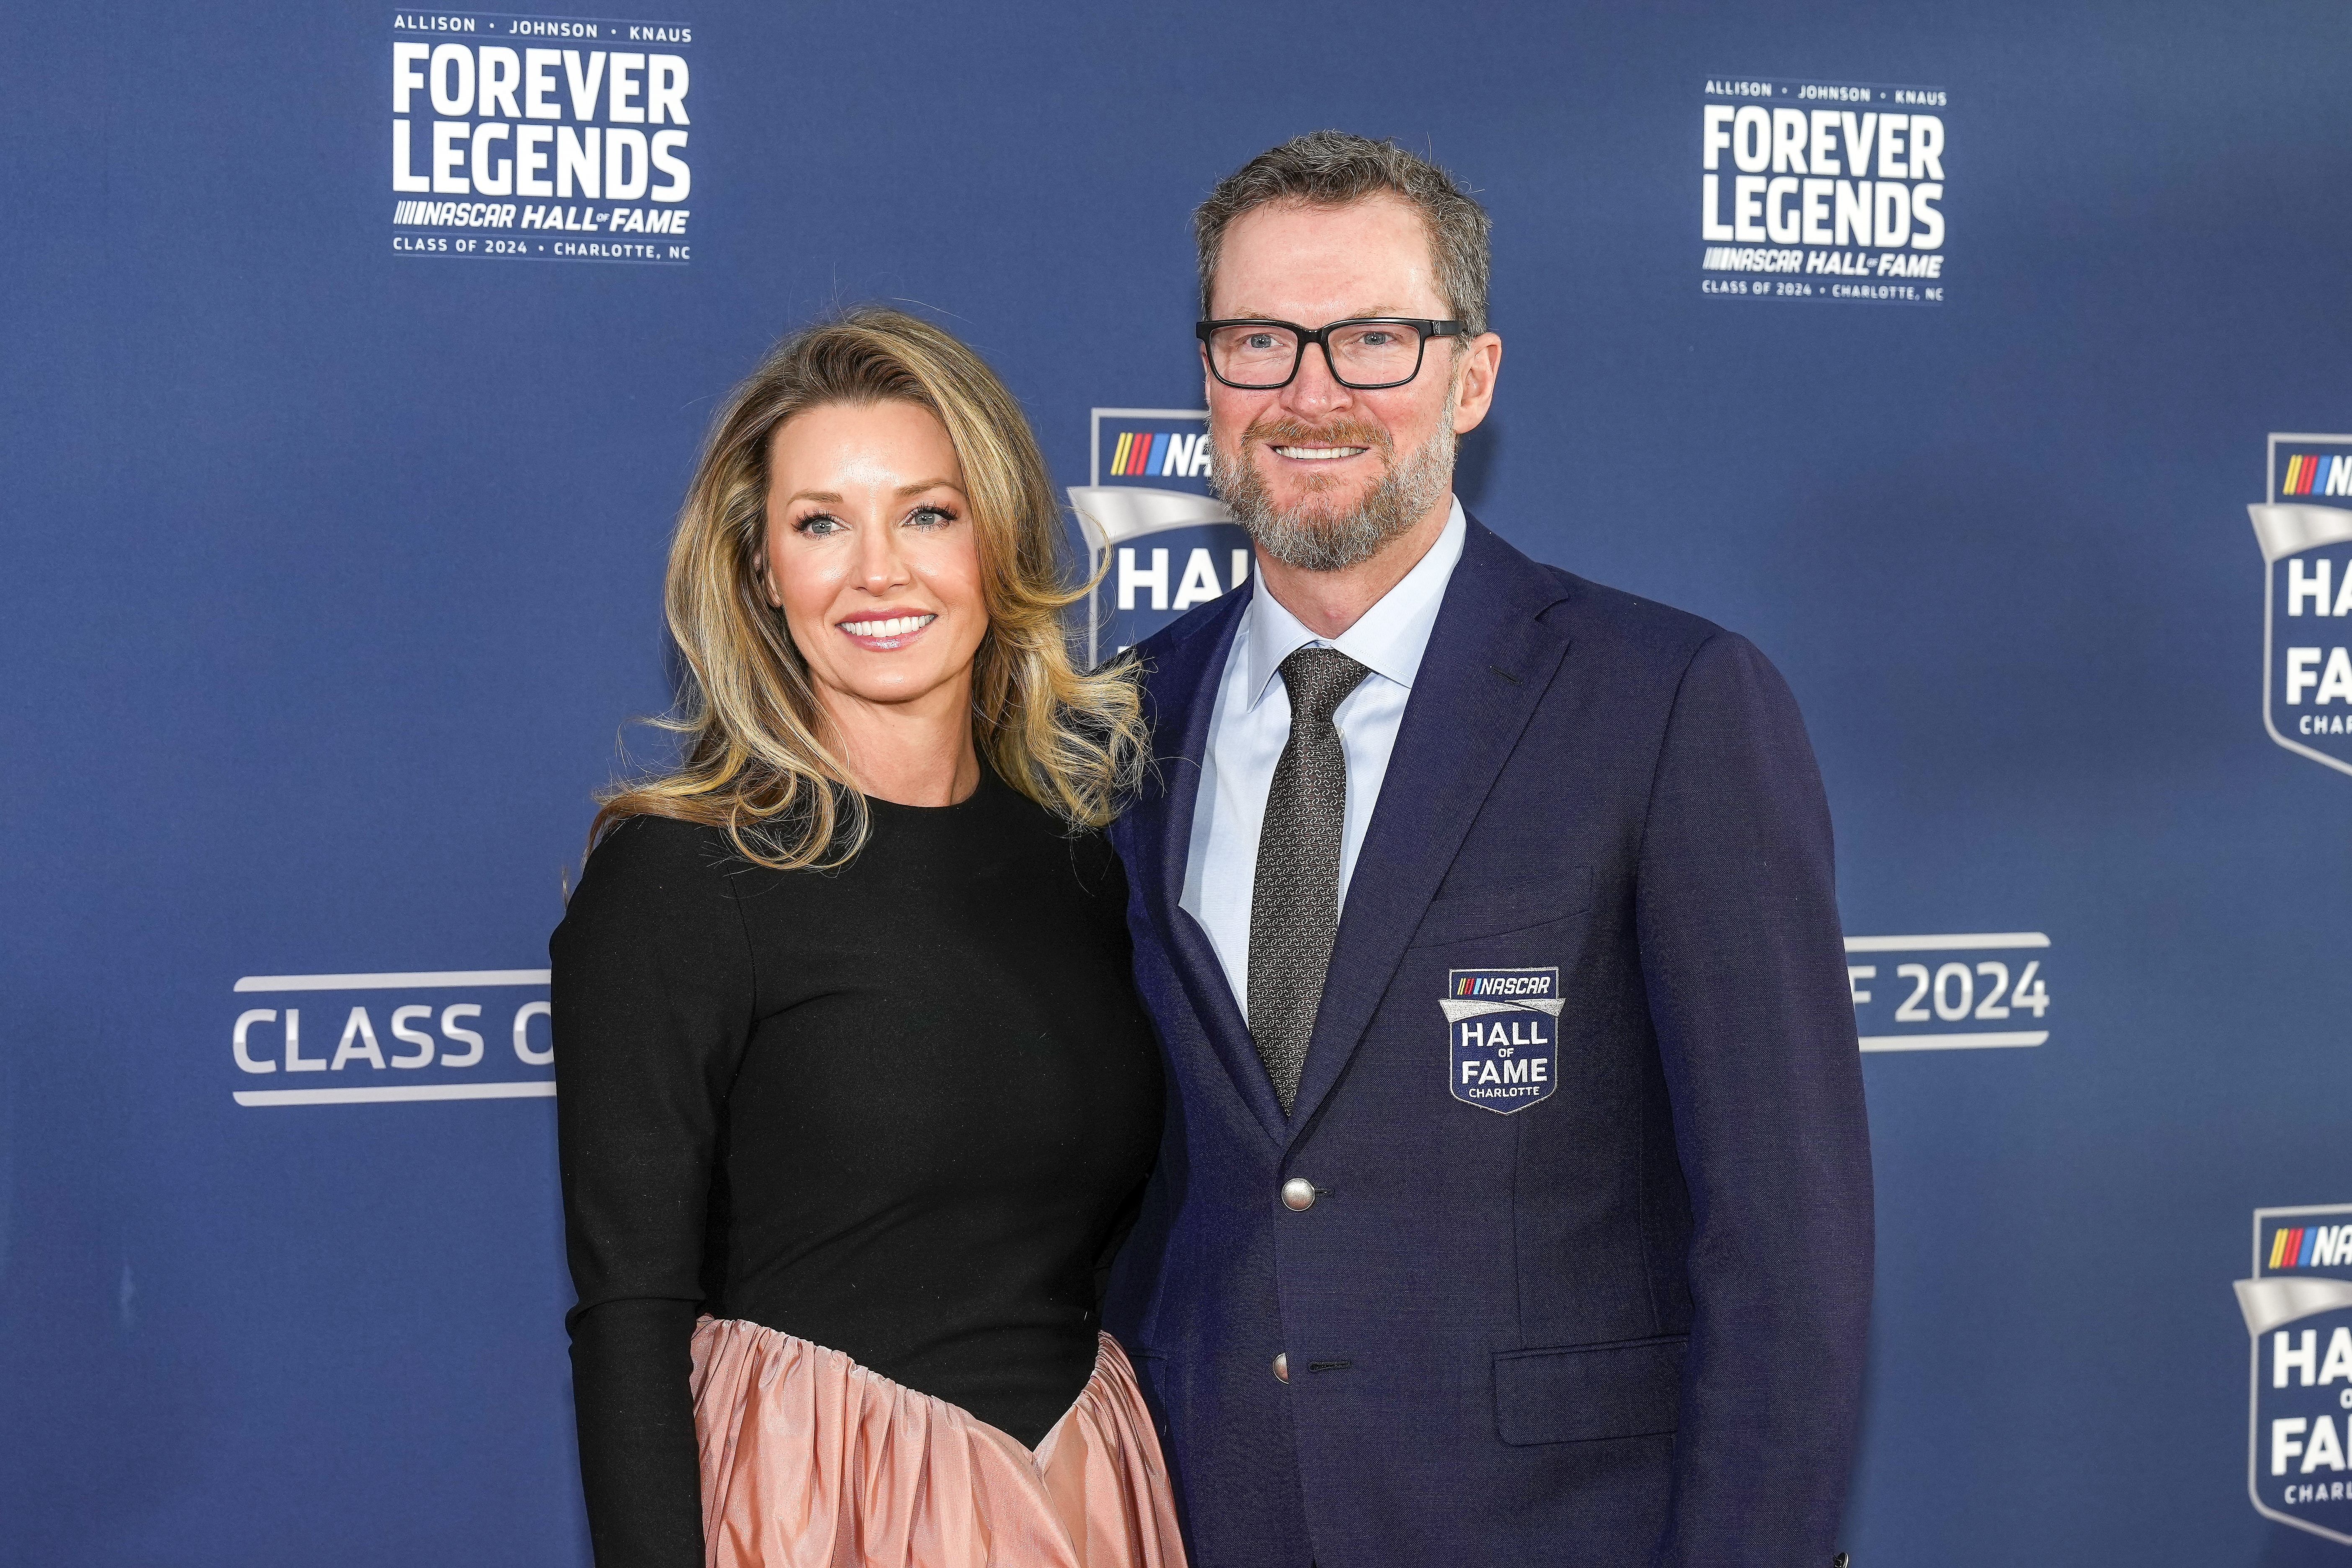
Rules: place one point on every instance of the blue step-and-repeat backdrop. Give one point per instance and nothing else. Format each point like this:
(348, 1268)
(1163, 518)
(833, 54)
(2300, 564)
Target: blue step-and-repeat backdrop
(1985, 362)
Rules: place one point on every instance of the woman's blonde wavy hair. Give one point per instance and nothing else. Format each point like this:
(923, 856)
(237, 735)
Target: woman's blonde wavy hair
(761, 758)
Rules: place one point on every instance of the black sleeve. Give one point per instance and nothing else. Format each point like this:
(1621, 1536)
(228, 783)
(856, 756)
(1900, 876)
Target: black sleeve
(1103, 876)
(653, 996)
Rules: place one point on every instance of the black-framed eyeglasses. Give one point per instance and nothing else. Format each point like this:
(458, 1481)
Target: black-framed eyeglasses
(1366, 354)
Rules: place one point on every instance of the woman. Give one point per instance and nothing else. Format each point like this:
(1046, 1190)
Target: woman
(856, 1091)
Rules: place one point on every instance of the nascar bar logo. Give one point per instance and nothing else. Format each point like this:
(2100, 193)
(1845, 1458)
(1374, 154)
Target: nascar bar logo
(1502, 1029)
(1164, 454)
(2306, 546)
(2298, 1309)
(1146, 511)
(2305, 471)
(540, 138)
(1821, 190)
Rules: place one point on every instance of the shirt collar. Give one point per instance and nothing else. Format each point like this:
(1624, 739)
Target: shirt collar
(1388, 639)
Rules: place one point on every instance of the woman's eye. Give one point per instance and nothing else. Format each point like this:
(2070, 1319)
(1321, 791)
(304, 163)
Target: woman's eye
(930, 516)
(819, 525)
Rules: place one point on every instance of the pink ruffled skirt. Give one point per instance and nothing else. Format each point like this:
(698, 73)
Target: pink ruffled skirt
(809, 1460)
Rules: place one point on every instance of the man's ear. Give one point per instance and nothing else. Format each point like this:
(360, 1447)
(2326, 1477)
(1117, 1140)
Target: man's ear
(1481, 363)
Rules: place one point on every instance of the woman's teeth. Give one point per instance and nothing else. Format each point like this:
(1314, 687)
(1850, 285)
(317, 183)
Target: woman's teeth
(896, 627)
(1318, 454)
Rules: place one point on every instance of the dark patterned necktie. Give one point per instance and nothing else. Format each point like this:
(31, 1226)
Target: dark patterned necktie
(1295, 905)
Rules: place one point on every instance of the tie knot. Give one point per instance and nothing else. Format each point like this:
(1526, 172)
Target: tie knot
(1318, 680)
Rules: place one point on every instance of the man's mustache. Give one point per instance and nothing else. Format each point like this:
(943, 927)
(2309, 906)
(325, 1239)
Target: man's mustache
(1285, 431)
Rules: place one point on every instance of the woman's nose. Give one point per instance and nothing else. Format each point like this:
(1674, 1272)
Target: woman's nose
(879, 561)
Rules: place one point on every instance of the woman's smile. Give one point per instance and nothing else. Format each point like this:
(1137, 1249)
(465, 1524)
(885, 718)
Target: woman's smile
(885, 630)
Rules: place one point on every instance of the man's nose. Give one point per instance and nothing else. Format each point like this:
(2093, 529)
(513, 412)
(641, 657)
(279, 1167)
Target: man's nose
(1313, 392)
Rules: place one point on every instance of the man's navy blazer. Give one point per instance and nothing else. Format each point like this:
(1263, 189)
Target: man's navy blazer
(1622, 1325)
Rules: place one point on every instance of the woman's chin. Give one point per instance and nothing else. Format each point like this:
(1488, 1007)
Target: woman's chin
(895, 684)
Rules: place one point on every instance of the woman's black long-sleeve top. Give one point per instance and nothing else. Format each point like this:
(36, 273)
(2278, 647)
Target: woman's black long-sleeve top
(896, 1109)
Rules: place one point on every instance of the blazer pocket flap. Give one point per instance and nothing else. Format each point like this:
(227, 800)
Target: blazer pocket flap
(1457, 914)
(1587, 1393)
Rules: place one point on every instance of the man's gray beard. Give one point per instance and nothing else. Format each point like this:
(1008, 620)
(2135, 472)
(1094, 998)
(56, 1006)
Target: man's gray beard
(1315, 539)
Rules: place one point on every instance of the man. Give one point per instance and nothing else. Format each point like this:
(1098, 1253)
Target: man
(1515, 1205)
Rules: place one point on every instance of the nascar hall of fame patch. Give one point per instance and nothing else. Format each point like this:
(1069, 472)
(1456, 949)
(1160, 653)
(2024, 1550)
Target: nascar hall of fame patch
(2298, 1308)
(1502, 1035)
(1147, 509)
(542, 138)
(1821, 190)
(2305, 530)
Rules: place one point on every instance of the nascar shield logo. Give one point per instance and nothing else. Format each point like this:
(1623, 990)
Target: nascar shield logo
(1161, 541)
(1502, 1031)
(2306, 535)
(2298, 1308)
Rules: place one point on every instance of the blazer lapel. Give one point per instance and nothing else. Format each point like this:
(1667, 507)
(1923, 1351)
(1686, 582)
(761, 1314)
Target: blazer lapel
(1488, 662)
(1183, 687)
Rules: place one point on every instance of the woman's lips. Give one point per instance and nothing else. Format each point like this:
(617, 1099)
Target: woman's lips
(883, 633)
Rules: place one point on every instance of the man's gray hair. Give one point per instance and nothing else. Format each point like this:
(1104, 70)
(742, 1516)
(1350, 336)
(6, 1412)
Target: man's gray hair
(1334, 168)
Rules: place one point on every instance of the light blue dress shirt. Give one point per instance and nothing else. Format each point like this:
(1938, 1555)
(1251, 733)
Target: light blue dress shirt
(1251, 723)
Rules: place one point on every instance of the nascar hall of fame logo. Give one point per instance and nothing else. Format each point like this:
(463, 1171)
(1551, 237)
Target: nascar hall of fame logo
(1821, 190)
(348, 1039)
(1145, 506)
(540, 138)
(2298, 1308)
(1502, 1034)
(2305, 533)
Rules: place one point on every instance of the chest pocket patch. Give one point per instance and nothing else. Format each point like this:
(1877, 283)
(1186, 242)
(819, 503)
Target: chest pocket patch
(1502, 1036)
